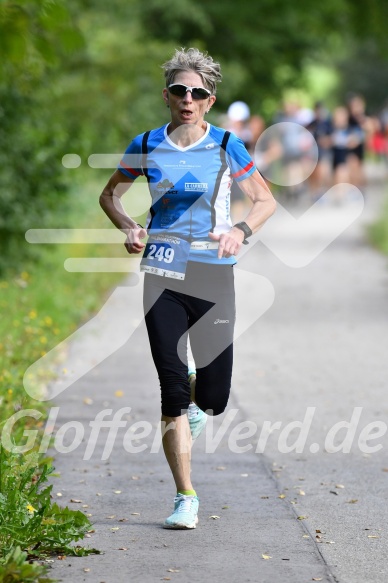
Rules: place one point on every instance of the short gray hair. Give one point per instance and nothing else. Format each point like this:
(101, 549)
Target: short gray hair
(193, 60)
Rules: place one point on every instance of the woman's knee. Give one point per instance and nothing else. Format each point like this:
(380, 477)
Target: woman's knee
(212, 406)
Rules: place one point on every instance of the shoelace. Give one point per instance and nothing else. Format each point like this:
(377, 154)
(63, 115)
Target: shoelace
(185, 504)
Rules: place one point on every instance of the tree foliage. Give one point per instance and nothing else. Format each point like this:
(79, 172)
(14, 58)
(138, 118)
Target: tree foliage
(84, 76)
(35, 37)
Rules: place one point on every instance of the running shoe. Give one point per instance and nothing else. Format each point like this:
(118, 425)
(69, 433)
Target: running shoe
(185, 513)
(197, 418)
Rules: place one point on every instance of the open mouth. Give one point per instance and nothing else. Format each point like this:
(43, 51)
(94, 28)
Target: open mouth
(186, 112)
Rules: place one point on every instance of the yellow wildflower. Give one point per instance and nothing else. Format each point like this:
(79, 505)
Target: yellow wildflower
(31, 509)
(32, 315)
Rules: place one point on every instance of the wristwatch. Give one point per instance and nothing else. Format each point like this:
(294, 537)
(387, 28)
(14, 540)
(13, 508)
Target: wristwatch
(245, 229)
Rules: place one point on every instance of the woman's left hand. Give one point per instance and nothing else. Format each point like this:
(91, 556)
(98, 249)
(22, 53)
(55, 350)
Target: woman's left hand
(229, 243)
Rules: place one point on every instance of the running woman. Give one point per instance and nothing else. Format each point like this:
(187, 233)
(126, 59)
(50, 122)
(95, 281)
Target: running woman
(189, 256)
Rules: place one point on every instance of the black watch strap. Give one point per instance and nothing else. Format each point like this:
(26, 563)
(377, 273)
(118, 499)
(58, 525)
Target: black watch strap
(245, 229)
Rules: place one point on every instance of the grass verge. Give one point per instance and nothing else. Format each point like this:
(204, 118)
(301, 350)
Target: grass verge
(41, 304)
(378, 231)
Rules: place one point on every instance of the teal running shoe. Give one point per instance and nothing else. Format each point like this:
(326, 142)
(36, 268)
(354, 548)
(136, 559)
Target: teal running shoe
(197, 418)
(185, 515)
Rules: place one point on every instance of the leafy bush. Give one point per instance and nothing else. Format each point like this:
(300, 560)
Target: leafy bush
(16, 568)
(28, 517)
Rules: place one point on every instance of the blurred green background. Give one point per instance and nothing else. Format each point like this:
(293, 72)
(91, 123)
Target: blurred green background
(84, 76)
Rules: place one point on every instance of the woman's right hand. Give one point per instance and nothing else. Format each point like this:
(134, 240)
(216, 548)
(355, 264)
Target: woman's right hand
(133, 243)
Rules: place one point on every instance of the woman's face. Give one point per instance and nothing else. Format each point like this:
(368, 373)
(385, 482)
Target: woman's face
(186, 110)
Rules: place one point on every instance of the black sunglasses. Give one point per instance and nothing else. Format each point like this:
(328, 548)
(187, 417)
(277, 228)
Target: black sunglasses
(180, 90)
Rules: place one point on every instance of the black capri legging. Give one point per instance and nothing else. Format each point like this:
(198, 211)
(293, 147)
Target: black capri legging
(202, 306)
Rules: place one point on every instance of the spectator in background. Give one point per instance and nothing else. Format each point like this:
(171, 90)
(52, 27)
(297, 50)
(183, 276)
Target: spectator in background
(340, 144)
(295, 149)
(383, 117)
(377, 142)
(345, 140)
(358, 126)
(321, 128)
(237, 121)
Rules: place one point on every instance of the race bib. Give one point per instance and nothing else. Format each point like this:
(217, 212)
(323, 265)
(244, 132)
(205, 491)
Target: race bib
(166, 255)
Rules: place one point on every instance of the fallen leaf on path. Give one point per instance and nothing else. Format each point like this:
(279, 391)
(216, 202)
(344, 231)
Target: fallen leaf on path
(352, 501)
(123, 519)
(86, 570)
(305, 536)
(135, 477)
(333, 492)
(220, 468)
(317, 579)
(119, 393)
(302, 517)
(302, 493)
(214, 517)
(122, 549)
(282, 496)
(266, 557)
(224, 507)
(115, 528)
(339, 486)
(111, 516)
(264, 497)
(173, 570)
(88, 401)
(135, 513)
(61, 557)
(373, 536)
(75, 501)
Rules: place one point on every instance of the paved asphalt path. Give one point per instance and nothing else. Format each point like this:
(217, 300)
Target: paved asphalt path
(266, 517)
